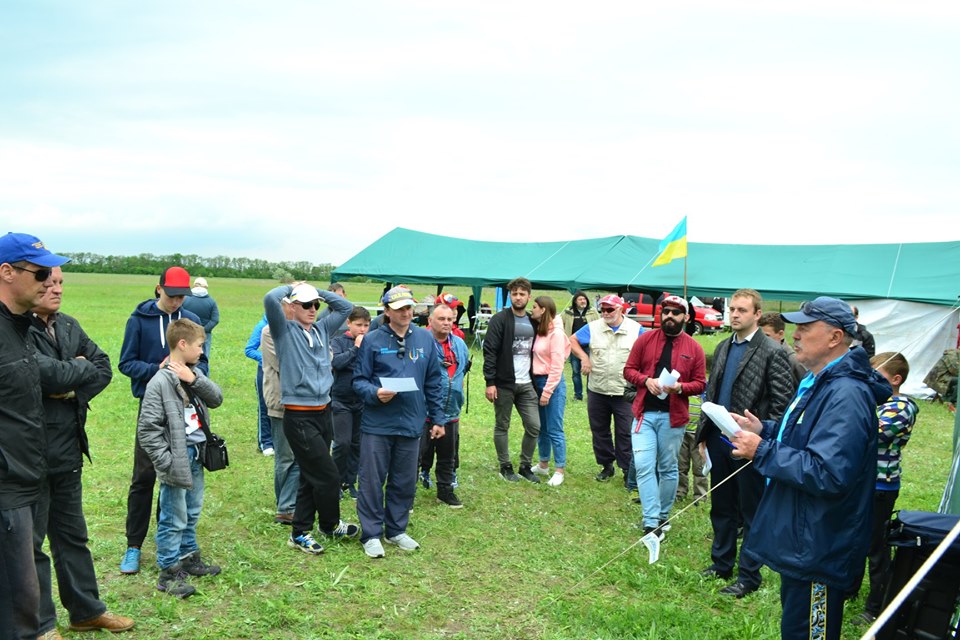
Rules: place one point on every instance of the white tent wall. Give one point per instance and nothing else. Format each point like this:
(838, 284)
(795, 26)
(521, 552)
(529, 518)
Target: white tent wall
(919, 331)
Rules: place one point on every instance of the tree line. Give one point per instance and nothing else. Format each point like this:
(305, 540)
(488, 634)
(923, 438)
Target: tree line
(218, 266)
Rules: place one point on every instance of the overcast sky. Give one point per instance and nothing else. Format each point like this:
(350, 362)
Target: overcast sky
(306, 130)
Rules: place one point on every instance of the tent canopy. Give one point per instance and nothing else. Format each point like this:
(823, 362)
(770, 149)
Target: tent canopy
(919, 272)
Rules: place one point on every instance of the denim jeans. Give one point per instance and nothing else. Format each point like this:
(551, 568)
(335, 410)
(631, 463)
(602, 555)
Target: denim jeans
(655, 448)
(179, 513)
(551, 423)
(264, 432)
(286, 472)
(346, 444)
(576, 367)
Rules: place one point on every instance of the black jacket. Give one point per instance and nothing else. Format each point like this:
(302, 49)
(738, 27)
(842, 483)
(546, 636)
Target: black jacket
(22, 439)
(343, 355)
(498, 350)
(62, 372)
(763, 384)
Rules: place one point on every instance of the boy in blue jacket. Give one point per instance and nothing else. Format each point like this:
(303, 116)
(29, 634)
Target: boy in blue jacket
(144, 351)
(392, 422)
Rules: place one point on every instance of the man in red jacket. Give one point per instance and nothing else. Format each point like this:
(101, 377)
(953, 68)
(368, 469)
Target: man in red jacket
(660, 412)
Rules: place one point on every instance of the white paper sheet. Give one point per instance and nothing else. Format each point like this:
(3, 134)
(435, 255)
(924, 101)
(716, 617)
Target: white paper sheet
(667, 379)
(399, 385)
(722, 418)
(652, 542)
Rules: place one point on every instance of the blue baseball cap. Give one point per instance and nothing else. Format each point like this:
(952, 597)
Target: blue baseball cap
(22, 247)
(832, 311)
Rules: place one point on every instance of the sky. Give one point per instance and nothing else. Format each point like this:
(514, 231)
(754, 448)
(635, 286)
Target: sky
(305, 130)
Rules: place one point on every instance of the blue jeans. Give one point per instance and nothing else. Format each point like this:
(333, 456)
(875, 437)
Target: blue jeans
(286, 472)
(551, 423)
(576, 367)
(655, 448)
(264, 432)
(179, 513)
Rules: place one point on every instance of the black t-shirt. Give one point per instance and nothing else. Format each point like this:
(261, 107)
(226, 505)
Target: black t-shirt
(652, 402)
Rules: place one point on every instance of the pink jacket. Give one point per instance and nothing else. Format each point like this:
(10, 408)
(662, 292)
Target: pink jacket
(550, 353)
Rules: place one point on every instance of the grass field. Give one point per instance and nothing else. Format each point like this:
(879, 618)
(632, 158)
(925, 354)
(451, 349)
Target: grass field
(520, 561)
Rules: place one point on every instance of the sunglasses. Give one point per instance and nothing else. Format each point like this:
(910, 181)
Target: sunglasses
(608, 309)
(40, 275)
(401, 348)
(670, 311)
(314, 304)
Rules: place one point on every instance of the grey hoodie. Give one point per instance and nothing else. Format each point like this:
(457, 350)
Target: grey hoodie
(305, 374)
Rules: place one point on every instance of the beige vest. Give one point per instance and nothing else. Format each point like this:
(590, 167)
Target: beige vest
(608, 354)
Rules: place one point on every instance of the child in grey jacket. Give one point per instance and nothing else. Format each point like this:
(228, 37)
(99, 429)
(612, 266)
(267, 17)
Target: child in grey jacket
(176, 399)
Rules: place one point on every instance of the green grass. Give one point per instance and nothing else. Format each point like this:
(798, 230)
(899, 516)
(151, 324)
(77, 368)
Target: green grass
(520, 561)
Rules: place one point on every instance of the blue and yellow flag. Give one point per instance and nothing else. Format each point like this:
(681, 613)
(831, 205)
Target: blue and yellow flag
(674, 245)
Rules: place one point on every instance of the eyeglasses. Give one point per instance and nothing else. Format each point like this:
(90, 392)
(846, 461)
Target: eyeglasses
(315, 304)
(40, 275)
(401, 348)
(671, 311)
(807, 307)
(608, 309)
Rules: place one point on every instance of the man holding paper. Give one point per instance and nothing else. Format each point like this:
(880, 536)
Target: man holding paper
(750, 372)
(399, 379)
(661, 409)
(813, 523)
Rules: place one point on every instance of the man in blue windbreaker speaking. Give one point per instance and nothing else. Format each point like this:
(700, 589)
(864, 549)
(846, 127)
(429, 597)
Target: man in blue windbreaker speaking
(390, 358)
(813, 523)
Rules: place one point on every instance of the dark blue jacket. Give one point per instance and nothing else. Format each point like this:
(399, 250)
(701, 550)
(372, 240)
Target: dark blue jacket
(378, 357)
(145, 344)
(343, 355)
(813, 523)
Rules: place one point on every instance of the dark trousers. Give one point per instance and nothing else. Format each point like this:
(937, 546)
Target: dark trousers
(19, 588)
(60, 518)
(309, 434)
(264, 432)
(445, 449)
(576, 368)
(525, 399)
(811, 611)
(346, 444)
(140, 496)
(878, 557)
(608, 449)
(736, 499)
(390, 459)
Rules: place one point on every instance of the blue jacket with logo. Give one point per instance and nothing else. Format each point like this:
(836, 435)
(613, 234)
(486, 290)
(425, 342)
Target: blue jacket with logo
(451, 397)
(379, 357)
(814, 520)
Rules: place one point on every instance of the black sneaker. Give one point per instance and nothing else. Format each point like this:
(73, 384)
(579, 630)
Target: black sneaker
(655, 531)
(665, 526)
(506, 472)
(195, 566)
(606, 473)
(448, 497)
(173, 581)
(527, 474)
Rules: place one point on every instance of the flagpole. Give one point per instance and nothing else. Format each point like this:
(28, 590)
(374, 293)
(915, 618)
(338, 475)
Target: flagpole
(684, 277)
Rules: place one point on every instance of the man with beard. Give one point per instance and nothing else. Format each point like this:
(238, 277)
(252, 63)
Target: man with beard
(820, 461)
(507, 367)
(575, 317)
(609, 340)
(750, 372)
(661, 413)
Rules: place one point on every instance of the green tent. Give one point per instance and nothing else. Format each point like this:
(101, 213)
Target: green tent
(922, 272)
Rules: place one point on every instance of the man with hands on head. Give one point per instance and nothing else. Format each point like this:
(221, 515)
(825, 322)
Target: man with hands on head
(820, 461)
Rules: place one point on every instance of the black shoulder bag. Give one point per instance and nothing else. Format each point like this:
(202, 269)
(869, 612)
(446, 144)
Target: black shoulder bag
(214, 456)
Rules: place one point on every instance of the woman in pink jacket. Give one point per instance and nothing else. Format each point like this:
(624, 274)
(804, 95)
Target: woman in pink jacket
(551, 348)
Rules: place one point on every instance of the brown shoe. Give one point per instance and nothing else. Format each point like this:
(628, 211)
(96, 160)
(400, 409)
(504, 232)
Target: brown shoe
(283, 518)
(53, 634)
(106, 621)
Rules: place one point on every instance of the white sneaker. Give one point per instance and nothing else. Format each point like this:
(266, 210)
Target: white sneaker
(540, 471)
(373, 548)
(405, 542)
(268, 451)
(556, 480)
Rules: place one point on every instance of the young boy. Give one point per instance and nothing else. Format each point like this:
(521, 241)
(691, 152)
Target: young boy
(175, 401)
(897, 417)
(347, 405)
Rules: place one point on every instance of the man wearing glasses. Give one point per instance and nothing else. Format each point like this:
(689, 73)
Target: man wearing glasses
(820, 461)
(303, 349)
(26, 268)
(609, 340)
(661, 412)
(399, 378)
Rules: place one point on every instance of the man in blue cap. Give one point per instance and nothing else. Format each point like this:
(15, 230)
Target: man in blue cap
(813, 523)
(26, 272)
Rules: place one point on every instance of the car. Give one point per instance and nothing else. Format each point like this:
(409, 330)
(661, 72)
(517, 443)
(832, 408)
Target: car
(641, 308)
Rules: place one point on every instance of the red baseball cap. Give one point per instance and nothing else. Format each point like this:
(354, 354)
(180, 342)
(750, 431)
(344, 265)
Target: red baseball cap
(175, 281)
(613, 300)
